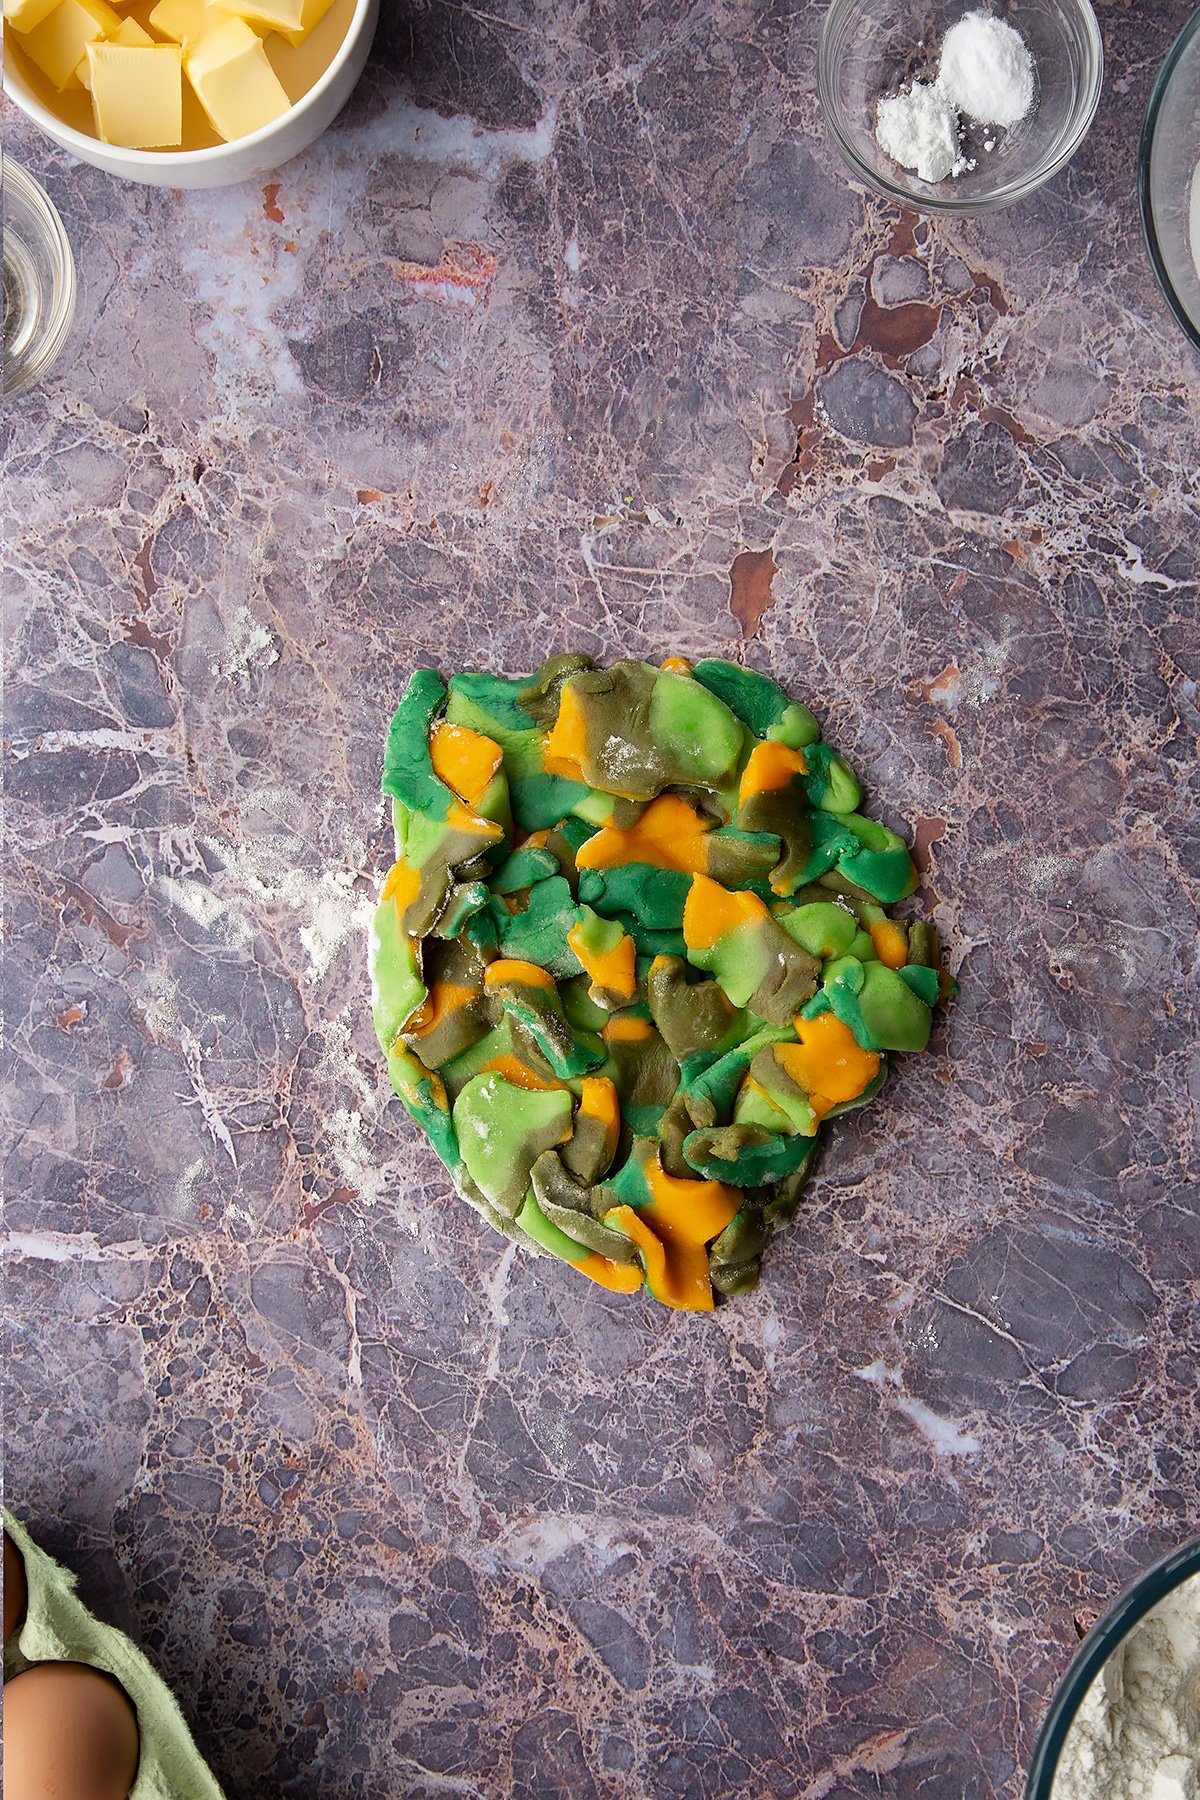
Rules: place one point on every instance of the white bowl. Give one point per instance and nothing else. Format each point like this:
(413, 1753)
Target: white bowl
(219, 165)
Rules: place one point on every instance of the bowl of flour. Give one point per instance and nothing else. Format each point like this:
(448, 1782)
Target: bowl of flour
(1125, 1722)
(1169, 178)
(959, 105)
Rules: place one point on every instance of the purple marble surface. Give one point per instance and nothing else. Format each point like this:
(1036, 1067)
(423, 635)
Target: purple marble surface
(572, 310)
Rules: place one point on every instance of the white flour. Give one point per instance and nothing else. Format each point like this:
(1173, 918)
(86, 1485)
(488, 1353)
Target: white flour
(985, 73)
(1137, 1734)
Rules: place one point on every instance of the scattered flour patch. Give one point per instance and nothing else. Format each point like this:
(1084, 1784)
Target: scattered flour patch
(204, 907)
(346, 1135)
(323, 903)
(337, 914)
(247, 642)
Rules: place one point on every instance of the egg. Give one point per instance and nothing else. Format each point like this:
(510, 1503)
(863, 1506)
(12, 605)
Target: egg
(16, 1593)
(69, 1730)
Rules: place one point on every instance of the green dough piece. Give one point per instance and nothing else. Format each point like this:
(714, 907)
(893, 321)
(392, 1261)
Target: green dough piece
(697, 730)
(540, 800)
(489, 704)
(744, 1155)
(822, 928)
(579, 1007)
(881, 1010)
(760, 966)
(572, 1207)
(424, 1096)
(645, 730)
(539, 934)
(540, 695)
(57, 1627)
(923, 981)
(523, 868)
(397, 987)
(743, 858)
(501, 1132)
(710, 1091)
(463, 901)
(408, 772)
(896, 1018)
(759, 702)
(882, 865)
(692, 1016)
(532, 1219)
(539, 1011)
(629, 1186)
(654, 897)
(831, 783)
(832, 839)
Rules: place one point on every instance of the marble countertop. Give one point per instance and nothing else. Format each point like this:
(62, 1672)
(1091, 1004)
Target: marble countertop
(573, 333)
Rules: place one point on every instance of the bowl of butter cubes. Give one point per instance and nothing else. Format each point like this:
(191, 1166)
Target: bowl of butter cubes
(185, 93)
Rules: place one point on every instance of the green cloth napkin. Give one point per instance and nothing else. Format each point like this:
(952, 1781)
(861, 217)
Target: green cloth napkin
(59, 1628)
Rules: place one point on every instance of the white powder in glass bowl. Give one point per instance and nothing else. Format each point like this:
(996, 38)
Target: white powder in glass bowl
(985, 73)
(920, 130)
(986, 70)
(1137, 1734)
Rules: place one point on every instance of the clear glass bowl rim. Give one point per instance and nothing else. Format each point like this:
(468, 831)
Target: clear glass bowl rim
(930, 203)
(57, 327)
(1145, 151)
(1144, 1592)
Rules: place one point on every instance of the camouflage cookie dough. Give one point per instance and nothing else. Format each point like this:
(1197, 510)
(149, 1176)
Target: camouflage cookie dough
(633, 950)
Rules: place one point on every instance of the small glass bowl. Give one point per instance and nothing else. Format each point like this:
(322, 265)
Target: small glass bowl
(39, 281)
(870, 48)
(1169, 178)
(1099, 1644)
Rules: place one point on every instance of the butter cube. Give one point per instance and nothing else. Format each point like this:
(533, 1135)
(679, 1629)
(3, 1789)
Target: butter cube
(23, 15)
(59, 44)
(280, 15)
(293, 19)
(186, 21)
(234, 82)
(129, 33)
(137, 94)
